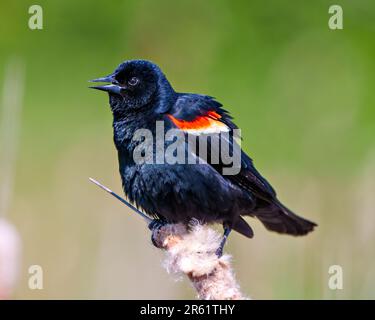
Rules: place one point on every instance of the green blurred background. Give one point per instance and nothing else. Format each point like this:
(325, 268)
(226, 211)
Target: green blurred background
(303, 95)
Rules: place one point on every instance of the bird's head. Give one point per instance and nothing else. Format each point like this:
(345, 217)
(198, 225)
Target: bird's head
(135, 84)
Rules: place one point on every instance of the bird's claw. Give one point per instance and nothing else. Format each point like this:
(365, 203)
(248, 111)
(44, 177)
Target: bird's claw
(154, 226)
(219, 252)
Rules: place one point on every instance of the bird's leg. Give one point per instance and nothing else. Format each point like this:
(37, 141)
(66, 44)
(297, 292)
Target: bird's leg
(227, 230)
(154, 226)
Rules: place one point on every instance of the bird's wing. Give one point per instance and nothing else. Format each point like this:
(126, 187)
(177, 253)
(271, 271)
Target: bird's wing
(202, 115)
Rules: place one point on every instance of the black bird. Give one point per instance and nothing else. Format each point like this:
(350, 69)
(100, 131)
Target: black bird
(139, 96)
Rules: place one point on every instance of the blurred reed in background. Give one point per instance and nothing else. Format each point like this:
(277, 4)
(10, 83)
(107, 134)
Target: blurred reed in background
(10, 115)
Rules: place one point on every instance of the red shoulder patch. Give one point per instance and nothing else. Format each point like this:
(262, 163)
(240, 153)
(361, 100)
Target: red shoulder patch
(208, 123)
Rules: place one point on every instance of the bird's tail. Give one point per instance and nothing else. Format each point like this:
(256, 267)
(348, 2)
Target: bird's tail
(276, 217)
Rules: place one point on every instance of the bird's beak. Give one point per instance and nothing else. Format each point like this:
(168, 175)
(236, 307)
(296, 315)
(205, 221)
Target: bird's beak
(109, 88)
(104, 79)
(112, 88)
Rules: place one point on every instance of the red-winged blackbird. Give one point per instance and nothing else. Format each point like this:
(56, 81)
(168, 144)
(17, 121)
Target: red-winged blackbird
(139, 96)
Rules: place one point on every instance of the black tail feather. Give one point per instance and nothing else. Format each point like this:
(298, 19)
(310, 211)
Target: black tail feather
(276, 217)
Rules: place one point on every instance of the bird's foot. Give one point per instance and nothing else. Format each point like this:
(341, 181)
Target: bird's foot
(219, 251)
(155, 226)
(227, 230)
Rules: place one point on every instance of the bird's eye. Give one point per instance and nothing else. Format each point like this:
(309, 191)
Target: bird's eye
(133, 81)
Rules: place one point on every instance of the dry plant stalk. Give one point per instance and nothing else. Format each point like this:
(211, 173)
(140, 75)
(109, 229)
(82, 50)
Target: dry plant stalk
(192, 251)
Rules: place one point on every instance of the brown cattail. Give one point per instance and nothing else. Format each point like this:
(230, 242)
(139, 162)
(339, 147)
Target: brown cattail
(192, 251)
